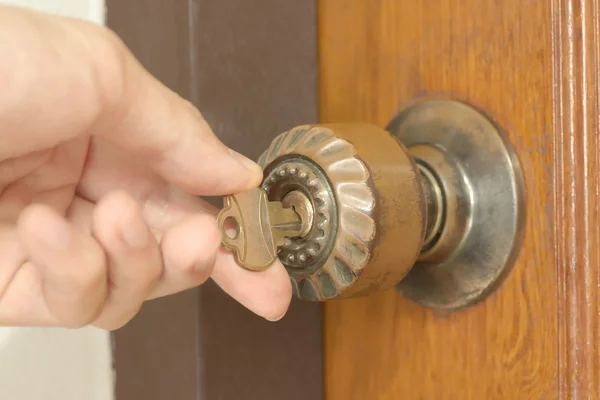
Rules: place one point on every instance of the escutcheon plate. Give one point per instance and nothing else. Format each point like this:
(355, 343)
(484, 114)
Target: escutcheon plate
(484, 197)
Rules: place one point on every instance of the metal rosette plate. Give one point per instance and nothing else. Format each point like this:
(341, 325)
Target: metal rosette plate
(485, 199)
(367, 230)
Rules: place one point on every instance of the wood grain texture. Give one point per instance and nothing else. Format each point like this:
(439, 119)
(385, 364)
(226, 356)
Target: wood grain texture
(375, 56)
(576, 169)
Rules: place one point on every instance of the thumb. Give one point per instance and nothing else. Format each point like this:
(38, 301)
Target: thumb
(67, 78)
(174, 138)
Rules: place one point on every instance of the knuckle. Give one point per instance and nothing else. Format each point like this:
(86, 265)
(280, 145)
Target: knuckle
(155, 272)
(74, 321)
(111, 61)
(198, 272)
(88, 291)
(147, 280)
(79, 314)
(107, 58)
(93, 271)
(115, 319)
(116, 323)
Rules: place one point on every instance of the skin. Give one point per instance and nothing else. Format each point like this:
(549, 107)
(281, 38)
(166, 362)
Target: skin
(101, 169)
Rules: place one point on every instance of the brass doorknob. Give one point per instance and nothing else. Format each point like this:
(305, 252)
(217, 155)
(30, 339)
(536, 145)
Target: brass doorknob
(433, 205)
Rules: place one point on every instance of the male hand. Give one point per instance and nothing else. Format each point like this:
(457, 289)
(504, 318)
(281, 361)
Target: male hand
(101, 167)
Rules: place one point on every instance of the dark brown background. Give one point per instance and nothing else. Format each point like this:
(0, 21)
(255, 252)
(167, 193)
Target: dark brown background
(251, 68)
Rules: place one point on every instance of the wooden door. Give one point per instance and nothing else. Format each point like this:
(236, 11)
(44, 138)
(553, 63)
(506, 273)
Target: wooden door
(534, 67)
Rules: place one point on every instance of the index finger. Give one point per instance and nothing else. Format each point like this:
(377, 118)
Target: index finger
(62, 78)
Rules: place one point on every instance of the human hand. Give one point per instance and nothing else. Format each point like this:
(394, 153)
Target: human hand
(101, 167)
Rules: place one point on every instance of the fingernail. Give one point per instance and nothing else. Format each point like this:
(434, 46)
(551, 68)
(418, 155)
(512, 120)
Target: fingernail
(253, 167)
(135, 234)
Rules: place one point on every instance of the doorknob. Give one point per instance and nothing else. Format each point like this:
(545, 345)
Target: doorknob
(434, 205)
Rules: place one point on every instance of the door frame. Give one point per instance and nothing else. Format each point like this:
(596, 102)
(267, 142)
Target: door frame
(250, 85)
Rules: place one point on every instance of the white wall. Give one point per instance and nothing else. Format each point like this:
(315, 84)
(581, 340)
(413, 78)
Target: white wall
(92, 10)
(57, 364)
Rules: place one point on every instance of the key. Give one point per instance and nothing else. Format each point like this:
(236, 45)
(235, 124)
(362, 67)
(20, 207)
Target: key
(253, 227)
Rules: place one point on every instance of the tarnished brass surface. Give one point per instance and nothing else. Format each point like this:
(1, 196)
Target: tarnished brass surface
(293, 175)
(436, 207)
(369, 208)
(302, 206)
(483, 191)
(253, 228)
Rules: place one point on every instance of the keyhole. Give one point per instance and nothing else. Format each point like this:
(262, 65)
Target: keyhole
(231, 227)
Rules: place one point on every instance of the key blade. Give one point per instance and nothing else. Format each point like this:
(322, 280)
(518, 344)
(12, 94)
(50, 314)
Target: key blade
(284, 222)
(253, 244)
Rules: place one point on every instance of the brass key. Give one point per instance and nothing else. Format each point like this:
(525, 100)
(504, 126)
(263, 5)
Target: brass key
(258, 228)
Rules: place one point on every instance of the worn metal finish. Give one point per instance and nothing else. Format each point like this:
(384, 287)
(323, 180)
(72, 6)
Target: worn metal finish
(303, 207)
(253, 228)
(436, 207)
(484, 198)
(369, 208)
(292, 175)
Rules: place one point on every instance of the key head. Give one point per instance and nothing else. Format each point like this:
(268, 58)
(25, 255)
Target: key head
(246, 229)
